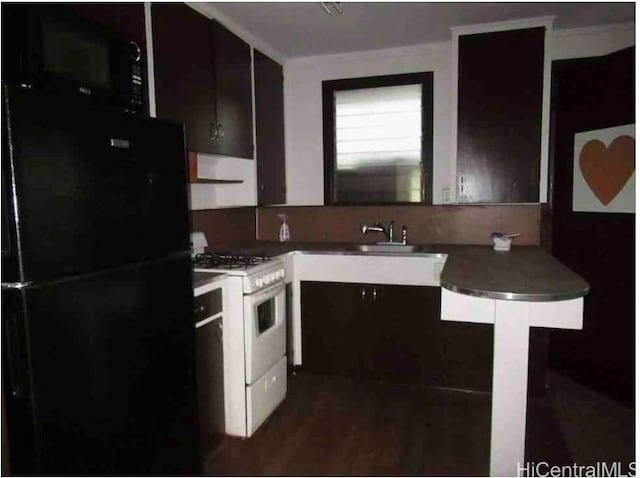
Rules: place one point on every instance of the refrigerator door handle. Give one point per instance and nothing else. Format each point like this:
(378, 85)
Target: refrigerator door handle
(14, 354)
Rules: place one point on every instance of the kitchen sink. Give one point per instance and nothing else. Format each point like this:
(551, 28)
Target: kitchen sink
(390, 248)
(385, 247)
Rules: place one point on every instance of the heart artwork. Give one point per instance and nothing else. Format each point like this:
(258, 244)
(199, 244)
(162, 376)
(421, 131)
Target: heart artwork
(607, 169)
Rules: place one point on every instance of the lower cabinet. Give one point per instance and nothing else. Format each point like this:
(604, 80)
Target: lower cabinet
(210, 371)
(394, 333)
(467, 351)
(333, 318)
(384, 332)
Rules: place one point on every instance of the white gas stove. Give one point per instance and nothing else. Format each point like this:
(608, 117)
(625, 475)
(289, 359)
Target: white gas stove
(257, 270)
(255, 364)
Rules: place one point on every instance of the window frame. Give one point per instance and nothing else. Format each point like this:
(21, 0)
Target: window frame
(328, 131)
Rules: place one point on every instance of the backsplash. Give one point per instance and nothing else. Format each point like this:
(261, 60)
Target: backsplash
(453, 224)
(224, 227)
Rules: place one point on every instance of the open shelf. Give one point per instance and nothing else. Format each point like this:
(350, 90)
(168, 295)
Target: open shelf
(193, 173)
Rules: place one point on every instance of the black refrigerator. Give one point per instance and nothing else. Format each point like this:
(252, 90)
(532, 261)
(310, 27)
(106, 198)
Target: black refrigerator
(98, 360)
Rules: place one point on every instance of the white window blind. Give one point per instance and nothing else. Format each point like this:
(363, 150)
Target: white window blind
(378, 134)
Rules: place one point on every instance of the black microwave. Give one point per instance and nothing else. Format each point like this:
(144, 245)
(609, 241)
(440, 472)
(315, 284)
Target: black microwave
(51, 47)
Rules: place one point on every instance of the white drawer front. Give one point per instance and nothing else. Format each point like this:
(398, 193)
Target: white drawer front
(265, 394)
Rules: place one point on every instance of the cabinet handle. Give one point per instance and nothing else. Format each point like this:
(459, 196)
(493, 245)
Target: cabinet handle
(220, 131)
(363, 294)
(213, 132)
(375, 293)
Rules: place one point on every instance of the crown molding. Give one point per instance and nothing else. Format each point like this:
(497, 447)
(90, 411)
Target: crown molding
(210, 11)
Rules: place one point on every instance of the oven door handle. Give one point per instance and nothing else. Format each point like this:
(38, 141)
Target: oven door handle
(264, 294)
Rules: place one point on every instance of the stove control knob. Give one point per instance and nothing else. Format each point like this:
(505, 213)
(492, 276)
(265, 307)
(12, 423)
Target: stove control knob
(259, 282)
(272, 277)
(281, 273)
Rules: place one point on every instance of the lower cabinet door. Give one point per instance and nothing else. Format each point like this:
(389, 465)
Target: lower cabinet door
(382, 332)
(467, 355)
(331, 328)
(210, 384)
(406, 347)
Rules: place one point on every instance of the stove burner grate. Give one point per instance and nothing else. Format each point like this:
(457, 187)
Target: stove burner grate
(224, 260)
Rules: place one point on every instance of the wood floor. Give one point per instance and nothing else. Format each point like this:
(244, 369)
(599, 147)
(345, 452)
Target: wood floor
(341, 426)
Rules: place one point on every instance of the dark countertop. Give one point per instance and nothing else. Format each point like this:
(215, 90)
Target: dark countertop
(526, 273)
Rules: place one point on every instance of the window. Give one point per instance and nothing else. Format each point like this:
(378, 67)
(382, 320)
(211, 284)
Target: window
(378, 139)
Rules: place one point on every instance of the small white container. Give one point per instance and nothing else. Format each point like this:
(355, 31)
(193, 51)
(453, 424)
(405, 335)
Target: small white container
(198, 243)
(502, 241)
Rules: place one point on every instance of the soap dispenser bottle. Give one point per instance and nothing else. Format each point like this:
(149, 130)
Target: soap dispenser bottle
(284, 228)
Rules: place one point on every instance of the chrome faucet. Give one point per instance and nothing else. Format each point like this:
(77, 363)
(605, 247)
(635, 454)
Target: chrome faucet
(377, 227)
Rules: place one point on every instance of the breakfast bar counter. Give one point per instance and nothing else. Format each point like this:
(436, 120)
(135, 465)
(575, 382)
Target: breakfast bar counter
(522, 274)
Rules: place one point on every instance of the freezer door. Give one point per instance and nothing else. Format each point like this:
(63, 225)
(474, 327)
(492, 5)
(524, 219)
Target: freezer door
(105, 383)
(87, 187)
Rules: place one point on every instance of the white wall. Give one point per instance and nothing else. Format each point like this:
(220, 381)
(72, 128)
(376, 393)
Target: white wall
(592, 41)
(303, 108)
(213, 196)
(303, 99)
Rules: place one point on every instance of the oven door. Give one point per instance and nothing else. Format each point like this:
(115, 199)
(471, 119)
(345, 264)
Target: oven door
(264, 330)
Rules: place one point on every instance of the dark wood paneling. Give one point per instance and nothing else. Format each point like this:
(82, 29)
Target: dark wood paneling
(500, 115)
(232, 69)
(589, 94)
(184, 80)
(269, 130)
(460, 224)
(225, 227)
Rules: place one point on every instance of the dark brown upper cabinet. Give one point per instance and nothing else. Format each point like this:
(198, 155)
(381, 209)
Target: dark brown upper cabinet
(184, 79)
(232, 71)
(269, 130)
(203, 79)
(500, 115)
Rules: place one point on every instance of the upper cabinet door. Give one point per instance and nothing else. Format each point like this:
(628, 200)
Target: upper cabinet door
(232, 70)
(184, 79)
(269, 130)
(501, 81)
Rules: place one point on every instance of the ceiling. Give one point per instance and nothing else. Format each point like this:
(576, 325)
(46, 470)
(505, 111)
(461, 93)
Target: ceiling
(303, 28)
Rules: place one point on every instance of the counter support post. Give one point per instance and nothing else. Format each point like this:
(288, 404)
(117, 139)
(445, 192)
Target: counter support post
(509, 388)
